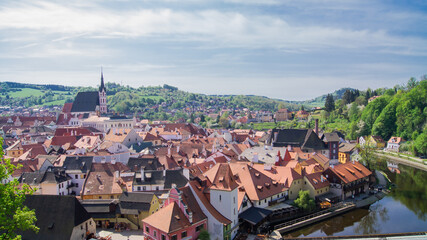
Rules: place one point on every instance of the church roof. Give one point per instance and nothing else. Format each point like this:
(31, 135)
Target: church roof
(85, 102)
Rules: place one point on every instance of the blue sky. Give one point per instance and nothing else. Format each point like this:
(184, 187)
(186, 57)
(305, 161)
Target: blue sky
(290, 49)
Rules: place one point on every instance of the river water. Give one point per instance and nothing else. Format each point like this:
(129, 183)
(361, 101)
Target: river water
(403, 210)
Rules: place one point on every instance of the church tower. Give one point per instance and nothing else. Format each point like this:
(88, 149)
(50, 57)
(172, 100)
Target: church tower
(102, 96)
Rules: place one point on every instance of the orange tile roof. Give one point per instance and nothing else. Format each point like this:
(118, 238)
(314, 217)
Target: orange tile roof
(221, 177)
(168, 219)
(255, 183)
(350, 172)
(315, 180)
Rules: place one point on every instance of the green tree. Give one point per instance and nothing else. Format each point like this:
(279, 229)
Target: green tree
(329, 103)
(367, 156)
(421, 143)
(353, 112)
(304, 201)
(14, 216)
(204, 235)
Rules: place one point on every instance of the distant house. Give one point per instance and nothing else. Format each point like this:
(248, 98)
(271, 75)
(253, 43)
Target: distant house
(124, 136)
(104, 181)
(376, 142)
(77, 167)
(283, 115)
(159, 180)
(306, 139)
(137, 206)
(58, 217)
(53, 181)
(347, 152)
(332, 141)
(394, 144)
(302, 115)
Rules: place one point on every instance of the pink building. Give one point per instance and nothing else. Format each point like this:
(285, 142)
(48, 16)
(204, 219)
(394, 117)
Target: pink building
(179, 218)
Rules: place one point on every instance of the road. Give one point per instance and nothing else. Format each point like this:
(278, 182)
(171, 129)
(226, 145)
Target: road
(403, 161)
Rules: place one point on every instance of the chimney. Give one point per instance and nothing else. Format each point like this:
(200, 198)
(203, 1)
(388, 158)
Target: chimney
(316, 129)
(169, 150)
(177, 148)
(186, 173)
(321, 178)
(142, 174)
(164, 175)
(117, 174)
(190, 217)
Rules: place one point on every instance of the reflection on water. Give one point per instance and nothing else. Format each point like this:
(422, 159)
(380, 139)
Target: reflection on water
(403, 210)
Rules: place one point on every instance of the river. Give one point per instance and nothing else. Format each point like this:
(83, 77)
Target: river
(403, 210)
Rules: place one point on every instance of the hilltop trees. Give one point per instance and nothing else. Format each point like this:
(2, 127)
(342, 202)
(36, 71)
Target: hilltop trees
(329, 103)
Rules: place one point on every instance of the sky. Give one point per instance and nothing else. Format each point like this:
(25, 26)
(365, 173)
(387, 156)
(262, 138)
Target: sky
(285, 49)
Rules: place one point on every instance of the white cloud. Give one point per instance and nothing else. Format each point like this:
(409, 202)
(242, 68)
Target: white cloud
(218, 28)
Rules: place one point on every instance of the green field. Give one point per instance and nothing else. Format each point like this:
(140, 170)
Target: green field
(155, 98)
(26, 92)
(57, 102)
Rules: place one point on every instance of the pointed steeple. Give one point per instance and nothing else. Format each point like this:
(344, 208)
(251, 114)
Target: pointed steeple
(102, 87)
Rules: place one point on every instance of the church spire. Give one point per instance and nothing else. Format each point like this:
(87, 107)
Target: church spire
(102, 87)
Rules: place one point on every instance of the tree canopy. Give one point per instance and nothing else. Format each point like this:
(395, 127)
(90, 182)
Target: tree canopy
(304, 201)
(14, 216)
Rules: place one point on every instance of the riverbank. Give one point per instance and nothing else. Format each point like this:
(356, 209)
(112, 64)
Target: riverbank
(412, 163)
(361, 201)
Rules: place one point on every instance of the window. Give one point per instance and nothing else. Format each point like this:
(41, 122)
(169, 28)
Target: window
(234, 211)
(163, 237)
(143, 188)
(76, 176)
(200, 227)
(157, 188)
(234, 199)
(139, 188)
(155, 233)
(220, 198)
(111, 196)
(184, 234)
(100, 197)
(174, 237)
(147, 230)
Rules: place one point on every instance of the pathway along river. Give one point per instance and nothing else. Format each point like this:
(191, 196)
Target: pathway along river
(403, 210)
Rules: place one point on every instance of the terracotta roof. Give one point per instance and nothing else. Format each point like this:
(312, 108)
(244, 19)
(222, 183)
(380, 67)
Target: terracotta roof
(168, 219)
(102, 179)
(255, 183)
(117, 137)
(315, 180)
(350, 172)
(62, 140)
(191, 202)
(395, 140)
(285, 175)
(221, 177)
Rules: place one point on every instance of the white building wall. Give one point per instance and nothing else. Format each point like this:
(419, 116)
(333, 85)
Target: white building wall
(120, 157)
(215, 228)
(226, 203)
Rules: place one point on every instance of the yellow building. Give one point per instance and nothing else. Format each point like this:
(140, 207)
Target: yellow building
(15, 150)
(316, 184)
